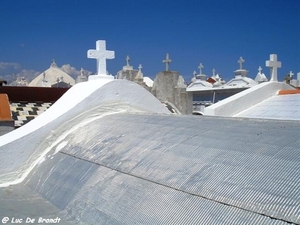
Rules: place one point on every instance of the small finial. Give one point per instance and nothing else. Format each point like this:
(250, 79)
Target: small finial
(82, 71)
(259, 69)
(195, 73)
(53, 64)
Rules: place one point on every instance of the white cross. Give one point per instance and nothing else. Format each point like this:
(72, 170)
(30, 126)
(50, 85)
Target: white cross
(259, 69)
(273, 64)
(101, 54)
(140, 68)
(214, 72)
(241, 61)
(200, 67)
(291, 74)
(167, 61)
(127, 60)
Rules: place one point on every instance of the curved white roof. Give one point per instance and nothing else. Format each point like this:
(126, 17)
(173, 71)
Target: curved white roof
(52, 76)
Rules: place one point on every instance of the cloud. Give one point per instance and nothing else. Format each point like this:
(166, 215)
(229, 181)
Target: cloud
(11, 71)
(9, 65)
(28, 74)
(72, 71)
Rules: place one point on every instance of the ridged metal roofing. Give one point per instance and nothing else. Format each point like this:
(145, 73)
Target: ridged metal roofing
(166, 169)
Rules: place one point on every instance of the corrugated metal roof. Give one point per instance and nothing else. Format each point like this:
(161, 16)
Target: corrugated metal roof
(154, 169)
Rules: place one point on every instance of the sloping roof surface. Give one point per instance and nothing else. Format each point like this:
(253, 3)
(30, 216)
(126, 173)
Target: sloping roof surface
(283, 107)
(153, 169)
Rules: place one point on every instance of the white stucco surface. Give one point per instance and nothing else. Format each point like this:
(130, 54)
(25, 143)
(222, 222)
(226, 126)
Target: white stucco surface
(245, 99)
(280, 107)
(70, 99)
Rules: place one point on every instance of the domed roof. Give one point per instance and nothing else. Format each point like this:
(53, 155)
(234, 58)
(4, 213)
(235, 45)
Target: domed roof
(52, 76)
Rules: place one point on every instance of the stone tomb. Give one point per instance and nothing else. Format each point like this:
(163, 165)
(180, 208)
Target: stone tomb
(169, 87)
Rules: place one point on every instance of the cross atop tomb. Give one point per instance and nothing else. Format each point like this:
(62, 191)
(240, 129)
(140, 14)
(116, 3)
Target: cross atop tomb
(139, 75)
(273, 64)
(101, 54)
(167, 61)
(241, 61)
(259, 69)
(214, 72)
(200, 67)
(140, 68)
(127, 60)
(291, 73)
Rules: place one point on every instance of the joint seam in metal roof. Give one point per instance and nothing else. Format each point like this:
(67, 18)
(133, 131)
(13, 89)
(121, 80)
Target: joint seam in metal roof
(176, 189)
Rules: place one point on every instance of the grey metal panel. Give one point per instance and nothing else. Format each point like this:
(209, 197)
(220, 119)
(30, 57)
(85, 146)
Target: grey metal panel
(112, 197)
(244, 172)
(60, 179)
(154, 169)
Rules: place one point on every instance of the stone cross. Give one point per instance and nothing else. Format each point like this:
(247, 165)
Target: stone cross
(273, 64)
(127, 60)
(140, 68)
(259, 69)
(101, 54)
(167, 61)
(200, 67)
(241, 61)
(214, 72)
(291, 74)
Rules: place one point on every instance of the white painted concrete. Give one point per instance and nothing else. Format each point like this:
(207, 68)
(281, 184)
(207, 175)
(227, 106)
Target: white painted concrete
(68, 101)
(245, 99)
(279, 107)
